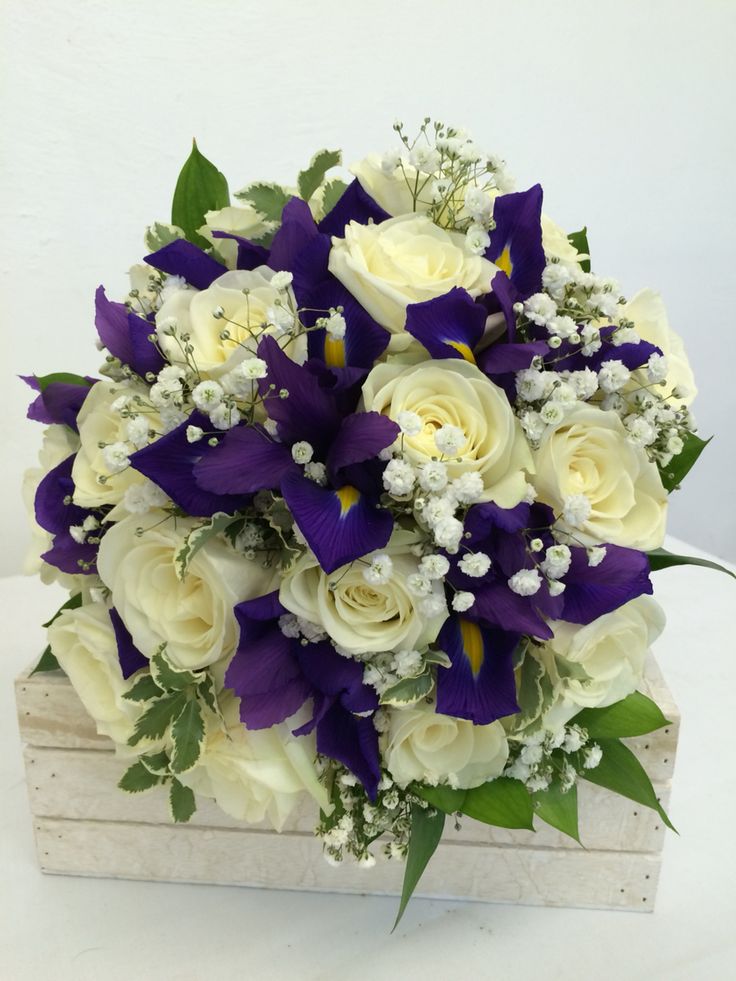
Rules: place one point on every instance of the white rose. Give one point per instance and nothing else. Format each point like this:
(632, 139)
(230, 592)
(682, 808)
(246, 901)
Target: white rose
(456, 393)
(244, 221)
(256, 774)
(426, 746)
(94, 484)
(359, 616)
(588, 456)
(58, 442)
(647, 311)
(193, 617)
(83, 642)
(250, 308)
(556, 244)
(602, 662)
(405, 260)
(389, 190)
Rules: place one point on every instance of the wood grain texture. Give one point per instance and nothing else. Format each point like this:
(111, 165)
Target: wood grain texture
(489, 873)
(85, 826)
(77, 784)
(51, 714)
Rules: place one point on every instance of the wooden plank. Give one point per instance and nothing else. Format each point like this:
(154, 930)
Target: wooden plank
(51, 714)
(534, 876)
(77, 784)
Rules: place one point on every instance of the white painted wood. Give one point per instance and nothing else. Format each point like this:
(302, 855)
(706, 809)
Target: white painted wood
(50, 714)
(534, 876)
(77, 784)
(85, 826)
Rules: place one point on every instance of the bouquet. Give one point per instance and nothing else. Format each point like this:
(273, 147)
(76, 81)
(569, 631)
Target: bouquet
(365, 502)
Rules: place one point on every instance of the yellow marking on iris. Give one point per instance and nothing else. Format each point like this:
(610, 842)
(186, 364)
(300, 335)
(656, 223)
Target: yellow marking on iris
(504, 262)
(334, 352)
(472, 645)
(462, 349)
(348, 497)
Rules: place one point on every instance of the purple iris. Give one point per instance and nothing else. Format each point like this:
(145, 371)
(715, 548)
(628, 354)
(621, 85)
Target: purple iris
(130, 658)
(58, 402)
(56, 514)
(453, 326)
(479, 685)
(274, 674)
(341, 520)
(516, 240)
(170, 463)
(589, 593)
(303, 248)
(125, 335)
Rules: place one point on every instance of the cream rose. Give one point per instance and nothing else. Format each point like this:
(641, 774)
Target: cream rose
(587, 460)
(256, 774)
(58, 442)
(251, 308)
(83, 642)
(424, 745)
(244, 221)
(647, 311)
(358, 616)
(602, 662)
(193, 617)
(95, 484)
(456, 393)
(390, 190)
(557, 245)
(405, 260)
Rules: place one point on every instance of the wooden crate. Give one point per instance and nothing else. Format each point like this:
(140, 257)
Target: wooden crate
(84, 825)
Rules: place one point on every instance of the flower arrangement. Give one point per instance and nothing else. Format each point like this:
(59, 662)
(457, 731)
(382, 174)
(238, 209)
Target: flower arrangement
(365, 504)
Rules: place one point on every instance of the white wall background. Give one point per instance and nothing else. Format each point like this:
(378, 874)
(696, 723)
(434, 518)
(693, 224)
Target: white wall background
(623, 110)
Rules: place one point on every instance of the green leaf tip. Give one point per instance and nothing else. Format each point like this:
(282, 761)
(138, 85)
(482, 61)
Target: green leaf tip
(200, 188)
(427, 826)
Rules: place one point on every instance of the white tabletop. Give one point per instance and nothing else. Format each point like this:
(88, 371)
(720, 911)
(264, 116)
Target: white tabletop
(54, 927)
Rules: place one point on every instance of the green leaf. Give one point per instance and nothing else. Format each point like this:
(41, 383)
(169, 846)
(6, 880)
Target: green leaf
(634, 715)
(503, 802)
(156, 762)
(443, 798)
(408, 691)
(198, 537)
(580, 241)
(310, 179)
(681, 465)
(158, 235)
(64, 377)
(187, 734)
(155, 720)
(144, 689)
(168, 677)
(200, 188)
(138, 778)
(660, 558)
(426, 831)
(333, 191)
(267, 199)
(558, 809)
(73, 603)
(206, 689)
(530, 695)
(181, 802)
(437, 657)
(47, 662)
(619, 770)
